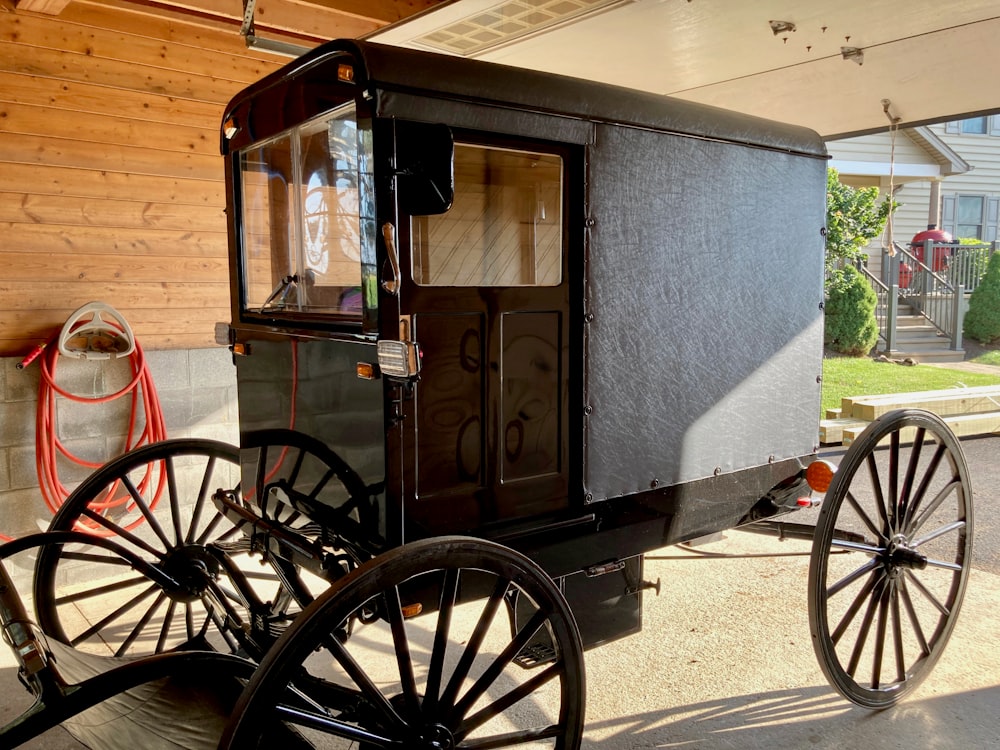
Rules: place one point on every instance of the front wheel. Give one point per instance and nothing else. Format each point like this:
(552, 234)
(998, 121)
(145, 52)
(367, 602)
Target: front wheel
(407, 651)
(890, 557)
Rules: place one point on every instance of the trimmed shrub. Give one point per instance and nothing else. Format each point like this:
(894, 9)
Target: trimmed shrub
(982, 322)
(850, 325)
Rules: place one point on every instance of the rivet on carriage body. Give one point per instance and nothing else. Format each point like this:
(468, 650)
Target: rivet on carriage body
(588, 410)
(770, 459)
(589, 317)
(718, 470)
(589, 222)
(588, 498)
(654, 484)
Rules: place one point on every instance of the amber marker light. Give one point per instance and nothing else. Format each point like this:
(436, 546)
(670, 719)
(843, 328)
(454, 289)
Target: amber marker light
(819, 474)
(366, 370)
(345, 73)
(412, 610)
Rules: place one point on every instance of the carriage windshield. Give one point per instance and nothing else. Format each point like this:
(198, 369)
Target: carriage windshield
(304, 201)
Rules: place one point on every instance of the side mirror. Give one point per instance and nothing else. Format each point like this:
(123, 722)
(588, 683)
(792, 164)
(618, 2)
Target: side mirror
(425, 168)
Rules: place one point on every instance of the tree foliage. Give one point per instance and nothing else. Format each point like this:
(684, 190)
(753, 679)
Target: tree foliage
(854, 217)
(982, 322)
(850, 325)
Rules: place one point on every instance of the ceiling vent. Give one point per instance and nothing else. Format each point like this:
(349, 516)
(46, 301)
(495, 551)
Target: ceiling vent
(503, 23)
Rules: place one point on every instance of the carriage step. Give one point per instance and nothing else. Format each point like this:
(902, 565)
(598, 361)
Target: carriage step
(535, 654)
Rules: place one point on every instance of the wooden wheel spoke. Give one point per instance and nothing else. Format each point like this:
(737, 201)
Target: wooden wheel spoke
(926, 593)
(880, 632)
(866, 519)
(866, 623)
(199, 504)
(475, 642)
(855, 607)
(368, 689)
(168, 621)
(911, 472)
(938, 533)
(880, 504)
(146, 511)
(511, 698)
(99, 591)
(911, 613)
(174, 500)
(893, 473)
(921, 491)
(926, 513)
(491, 673)
(512, 739)
(128, 606)
(449, 591)
(847, 580)
(122, 532)
(394, 613)
(897, 634)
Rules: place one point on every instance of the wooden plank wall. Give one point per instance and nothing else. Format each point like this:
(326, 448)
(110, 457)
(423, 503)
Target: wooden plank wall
(111, 183)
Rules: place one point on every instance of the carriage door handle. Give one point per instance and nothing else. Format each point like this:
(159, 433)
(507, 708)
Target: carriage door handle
(389, 236)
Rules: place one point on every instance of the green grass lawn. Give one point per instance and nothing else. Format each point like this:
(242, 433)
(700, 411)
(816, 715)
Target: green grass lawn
(849, 376)
(989, 358)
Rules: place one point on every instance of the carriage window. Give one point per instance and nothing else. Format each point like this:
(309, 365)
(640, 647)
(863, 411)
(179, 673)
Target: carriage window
(504, 227)
(302, 220)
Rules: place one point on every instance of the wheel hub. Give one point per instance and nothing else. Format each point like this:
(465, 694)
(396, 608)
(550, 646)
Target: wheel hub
(437, 737)
(899, 555)
(193, 567)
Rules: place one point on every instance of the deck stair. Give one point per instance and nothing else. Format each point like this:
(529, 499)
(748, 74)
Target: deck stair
(967, 411)
(919, 340)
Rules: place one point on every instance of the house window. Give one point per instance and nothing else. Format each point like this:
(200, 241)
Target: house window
(976, 125)
(969, 218)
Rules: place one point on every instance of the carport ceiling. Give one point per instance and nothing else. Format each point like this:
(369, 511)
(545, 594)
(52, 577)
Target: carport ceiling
(826, 64)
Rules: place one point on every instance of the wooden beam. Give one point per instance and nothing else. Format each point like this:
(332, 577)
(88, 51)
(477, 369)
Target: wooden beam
(378, 11)
(48, 7)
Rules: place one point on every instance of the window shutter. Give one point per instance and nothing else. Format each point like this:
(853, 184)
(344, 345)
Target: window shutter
(994, 125)
(952, 127)
(992, 216)
(948, 214)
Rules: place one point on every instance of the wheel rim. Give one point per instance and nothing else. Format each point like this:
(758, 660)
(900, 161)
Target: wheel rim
(890, 558)
(454, 680)
(88, 597)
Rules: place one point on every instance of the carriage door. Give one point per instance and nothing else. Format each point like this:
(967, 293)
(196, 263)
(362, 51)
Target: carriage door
(486, 295)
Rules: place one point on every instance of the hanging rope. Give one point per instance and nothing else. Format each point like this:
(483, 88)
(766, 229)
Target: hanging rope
(893, 130)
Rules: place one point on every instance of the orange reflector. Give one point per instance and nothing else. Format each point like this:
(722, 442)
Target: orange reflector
(366, 370)
(819, 474)
(412, 610)
(240, 349)
(345, 73)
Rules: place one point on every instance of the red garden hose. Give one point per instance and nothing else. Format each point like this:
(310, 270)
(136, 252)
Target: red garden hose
(49, 447)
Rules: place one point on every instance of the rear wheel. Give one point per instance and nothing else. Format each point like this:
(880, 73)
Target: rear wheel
(156, 502)
(359, 665)
(891, 557)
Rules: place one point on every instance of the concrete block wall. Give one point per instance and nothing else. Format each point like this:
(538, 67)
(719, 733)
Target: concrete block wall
(197, 393)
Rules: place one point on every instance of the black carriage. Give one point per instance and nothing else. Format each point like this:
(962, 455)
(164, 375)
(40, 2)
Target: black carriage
(497, 335)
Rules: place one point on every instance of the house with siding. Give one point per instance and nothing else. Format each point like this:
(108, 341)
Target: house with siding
(947, 174)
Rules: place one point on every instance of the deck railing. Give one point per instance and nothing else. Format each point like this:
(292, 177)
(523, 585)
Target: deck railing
(939, 291)
(886, 307)
(927, 286)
